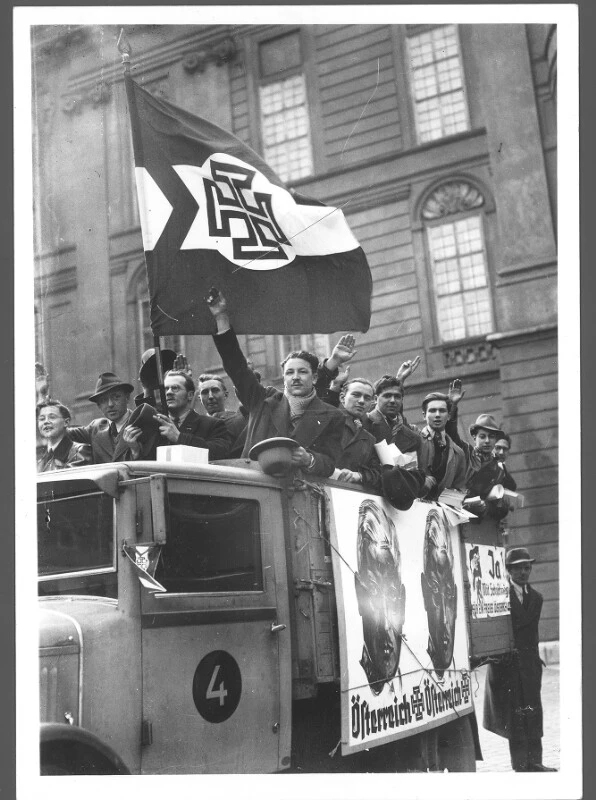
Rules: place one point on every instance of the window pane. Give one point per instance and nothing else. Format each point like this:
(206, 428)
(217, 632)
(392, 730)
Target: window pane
(460, 278)
(214, 545)
(285, 128)
(437, 84)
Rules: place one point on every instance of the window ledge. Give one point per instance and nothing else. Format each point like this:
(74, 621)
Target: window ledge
(466, 352)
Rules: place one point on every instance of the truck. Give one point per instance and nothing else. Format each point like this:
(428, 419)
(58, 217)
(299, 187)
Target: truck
(211, 618)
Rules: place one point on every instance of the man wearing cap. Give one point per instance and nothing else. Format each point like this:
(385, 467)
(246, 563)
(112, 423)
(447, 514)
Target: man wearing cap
(296, 412)
(105, 434)
(512, 703)
(148, 374)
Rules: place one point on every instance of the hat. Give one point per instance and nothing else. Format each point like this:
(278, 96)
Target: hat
(402, 486)
(106, 382)
(274, 455)
(488, 423)
(518, 555)
(148, 371)
(143, 417)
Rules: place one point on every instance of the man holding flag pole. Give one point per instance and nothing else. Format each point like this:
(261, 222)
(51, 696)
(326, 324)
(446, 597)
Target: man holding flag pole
(213, 213)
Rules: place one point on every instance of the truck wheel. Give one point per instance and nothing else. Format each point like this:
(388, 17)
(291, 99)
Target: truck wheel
(456, 746)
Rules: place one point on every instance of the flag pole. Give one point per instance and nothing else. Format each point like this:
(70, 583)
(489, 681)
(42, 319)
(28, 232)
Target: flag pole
(125, 50)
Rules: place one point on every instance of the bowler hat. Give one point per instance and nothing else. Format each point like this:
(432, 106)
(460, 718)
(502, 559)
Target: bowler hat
(148, 371)
(402, 486)
(143, 417)
(518, 555)
(106, 382)
(274, 455)
(488, 423)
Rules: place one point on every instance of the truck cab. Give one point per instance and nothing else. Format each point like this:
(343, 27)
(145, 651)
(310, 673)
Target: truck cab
(189, 623)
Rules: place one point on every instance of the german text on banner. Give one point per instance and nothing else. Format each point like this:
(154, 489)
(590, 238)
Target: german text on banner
(400, 601)
(214, 214)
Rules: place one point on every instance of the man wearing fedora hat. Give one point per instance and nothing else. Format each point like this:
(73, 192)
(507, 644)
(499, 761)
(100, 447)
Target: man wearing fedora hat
(483, 471)
(512, 702)
(105, 434)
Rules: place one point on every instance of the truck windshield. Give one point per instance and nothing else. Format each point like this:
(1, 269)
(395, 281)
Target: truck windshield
(75, 541)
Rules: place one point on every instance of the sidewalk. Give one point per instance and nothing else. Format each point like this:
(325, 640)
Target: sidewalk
(495, 749)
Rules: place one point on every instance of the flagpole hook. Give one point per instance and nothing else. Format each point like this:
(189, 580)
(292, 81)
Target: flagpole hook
(125, 49)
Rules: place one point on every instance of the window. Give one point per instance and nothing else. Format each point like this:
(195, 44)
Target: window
(75, 540)
(458, 260)
(214, 545)
(285, 127)
(317, 343)
(437, 83)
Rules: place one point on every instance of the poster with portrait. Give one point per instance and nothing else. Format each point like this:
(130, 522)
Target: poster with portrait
(489, 587)
(403, 639)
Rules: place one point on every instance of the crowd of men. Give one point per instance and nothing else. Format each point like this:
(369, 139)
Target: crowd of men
(336, 421)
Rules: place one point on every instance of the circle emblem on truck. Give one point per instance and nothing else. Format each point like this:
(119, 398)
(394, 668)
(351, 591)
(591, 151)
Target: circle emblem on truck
(217, 686)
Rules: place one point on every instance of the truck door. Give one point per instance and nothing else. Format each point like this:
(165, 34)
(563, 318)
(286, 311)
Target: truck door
(216, 645)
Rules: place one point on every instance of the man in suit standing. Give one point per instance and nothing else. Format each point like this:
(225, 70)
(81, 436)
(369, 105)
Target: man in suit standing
(512, 703)
(182, 425)
(439, 457)
(296, 412)
(105, 434)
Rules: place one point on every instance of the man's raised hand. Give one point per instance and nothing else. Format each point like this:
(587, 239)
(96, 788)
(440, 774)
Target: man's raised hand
(344, 351)
(407, 368)
(456, 392)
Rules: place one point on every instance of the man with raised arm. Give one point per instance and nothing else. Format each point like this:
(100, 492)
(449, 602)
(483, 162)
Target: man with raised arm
(386, 420)
(296, 412)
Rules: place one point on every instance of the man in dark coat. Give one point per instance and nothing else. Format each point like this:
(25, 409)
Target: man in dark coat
(386, 420)
(512, 704)
(296, 412)
(182, 425)
(358, 462)
(214, 393)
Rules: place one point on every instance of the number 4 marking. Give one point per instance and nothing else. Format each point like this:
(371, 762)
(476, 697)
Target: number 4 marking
(220, 692)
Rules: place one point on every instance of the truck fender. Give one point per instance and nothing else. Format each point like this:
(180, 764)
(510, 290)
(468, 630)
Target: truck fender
(68, 750)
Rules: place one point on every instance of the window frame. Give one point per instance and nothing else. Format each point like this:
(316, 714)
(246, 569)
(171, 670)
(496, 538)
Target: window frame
(412, 103)
(313, 101)
(449, 219)
(282, 352)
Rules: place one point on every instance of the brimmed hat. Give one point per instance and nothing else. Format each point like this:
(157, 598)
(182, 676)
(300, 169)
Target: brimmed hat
(402, 486)
(106, 382)
(274, 455)
(143, 417)
(488, 423)
(148, 371)
(518, 555)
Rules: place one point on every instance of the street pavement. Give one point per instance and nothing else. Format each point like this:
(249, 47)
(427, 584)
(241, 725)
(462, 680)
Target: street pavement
(495, 749)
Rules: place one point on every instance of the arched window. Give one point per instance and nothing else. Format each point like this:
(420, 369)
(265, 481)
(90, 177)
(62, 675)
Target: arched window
(453, 219)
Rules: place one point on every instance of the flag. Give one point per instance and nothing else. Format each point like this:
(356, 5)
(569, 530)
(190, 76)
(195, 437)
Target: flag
(144, 558)
(214, 214)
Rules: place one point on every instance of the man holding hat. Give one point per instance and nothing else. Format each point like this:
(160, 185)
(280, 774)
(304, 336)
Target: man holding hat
(105, 435)
(512, 703)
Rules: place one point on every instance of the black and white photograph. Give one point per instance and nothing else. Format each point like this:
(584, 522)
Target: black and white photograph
(287, 285)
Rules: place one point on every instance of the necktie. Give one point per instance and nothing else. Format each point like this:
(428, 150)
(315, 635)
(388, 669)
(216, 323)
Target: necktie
(176, 420)
(113, 430)
(526, 597)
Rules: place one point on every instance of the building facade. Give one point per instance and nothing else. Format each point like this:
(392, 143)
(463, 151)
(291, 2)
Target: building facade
(439, 144)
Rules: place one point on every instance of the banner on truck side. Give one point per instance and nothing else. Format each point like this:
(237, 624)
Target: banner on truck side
(403, 643)
(489, 587)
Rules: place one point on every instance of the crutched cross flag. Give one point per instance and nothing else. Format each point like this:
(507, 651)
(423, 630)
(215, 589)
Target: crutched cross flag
(214, 214)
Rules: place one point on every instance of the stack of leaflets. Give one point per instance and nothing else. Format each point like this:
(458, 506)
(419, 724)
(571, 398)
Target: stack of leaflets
(391, 454)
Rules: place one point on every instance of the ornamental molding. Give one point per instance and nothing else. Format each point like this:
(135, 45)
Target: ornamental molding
(451, 197)
(99, 95)
(220, 54)
(471, 353)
